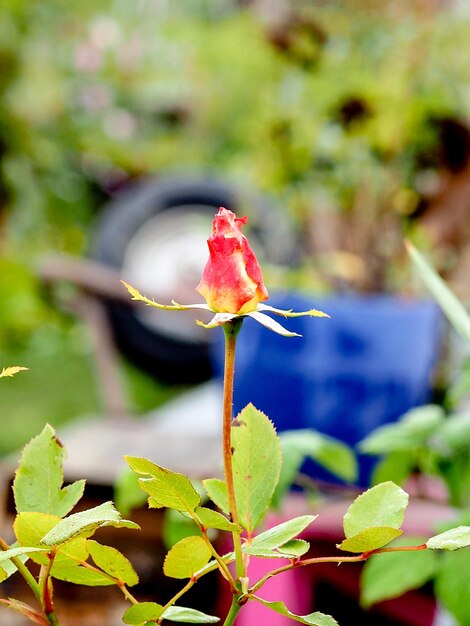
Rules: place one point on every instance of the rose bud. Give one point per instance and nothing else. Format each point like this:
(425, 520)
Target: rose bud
(231, 281)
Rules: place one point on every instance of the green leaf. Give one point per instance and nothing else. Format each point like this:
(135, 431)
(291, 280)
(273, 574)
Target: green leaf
(186, 557)
(295, 548)
(289, 550)
(70, 555)
(188, 616)
(127, 492)
(74, 573)
(396, 467)
(452, 539)
(452, 584)
(282, 533)
(387, 576)
(265, 553)
(455, 431)
(165, 488)
(370, 539)
(177, 526)
(142, 612)
(411, 432)
(374, 518)
(113, 563)
(86, 523)
(256, 465)
(317, 618)
(298, 445)
(217, 492)
(8, 568)
(382, 505)
(29, 529)
(39, 478)
(333, 455)
(5, 555)
(449, 303)
(213, 519)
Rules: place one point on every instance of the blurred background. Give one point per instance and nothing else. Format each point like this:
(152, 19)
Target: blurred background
(351, 116)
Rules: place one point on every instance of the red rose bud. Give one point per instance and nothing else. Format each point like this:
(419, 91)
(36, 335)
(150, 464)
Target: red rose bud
(231, 281)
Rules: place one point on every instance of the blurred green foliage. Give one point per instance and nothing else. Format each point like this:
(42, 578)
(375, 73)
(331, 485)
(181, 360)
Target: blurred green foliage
(330, 108)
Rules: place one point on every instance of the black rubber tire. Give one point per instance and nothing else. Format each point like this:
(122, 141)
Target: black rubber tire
(165, 357)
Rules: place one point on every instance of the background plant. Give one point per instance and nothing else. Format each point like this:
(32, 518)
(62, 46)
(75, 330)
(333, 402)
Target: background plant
(125, 92)
(427, 441)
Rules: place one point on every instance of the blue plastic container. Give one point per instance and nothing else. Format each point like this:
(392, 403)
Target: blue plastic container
(367, 365)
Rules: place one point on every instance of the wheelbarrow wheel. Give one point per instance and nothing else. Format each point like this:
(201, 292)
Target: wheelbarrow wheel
(155, 235)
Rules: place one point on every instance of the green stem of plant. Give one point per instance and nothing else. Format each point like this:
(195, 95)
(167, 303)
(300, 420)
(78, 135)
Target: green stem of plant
(45, 588)
(23, 570)
(231, 330)
(222, 565)
(126, 593)
(52, 619)
(234, 610)
(119, 583)
(177, 596)
(205, 570)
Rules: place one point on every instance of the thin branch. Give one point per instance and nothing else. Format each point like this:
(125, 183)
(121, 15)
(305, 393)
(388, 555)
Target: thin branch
(23, 570)
(330, 559)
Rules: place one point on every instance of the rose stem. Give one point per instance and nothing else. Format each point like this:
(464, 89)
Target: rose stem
(231, 330)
